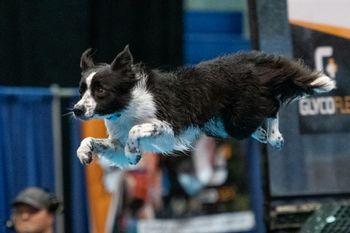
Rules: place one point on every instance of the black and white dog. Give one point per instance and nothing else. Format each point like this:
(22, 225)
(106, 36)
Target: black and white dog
(147, 110)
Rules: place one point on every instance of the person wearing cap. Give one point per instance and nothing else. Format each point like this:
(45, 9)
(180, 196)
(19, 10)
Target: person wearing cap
(33, 211)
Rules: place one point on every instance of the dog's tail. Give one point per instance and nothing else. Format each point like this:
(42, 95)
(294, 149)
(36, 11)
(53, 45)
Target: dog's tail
(290, 80)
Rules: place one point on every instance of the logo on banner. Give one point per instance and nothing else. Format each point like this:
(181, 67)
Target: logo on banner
(325, 105)
(322, 54)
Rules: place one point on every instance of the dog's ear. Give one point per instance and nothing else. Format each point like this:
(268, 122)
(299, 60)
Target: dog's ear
(86, 61)
(123, 60)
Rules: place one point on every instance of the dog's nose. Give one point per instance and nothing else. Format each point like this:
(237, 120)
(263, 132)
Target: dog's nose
(78, 111)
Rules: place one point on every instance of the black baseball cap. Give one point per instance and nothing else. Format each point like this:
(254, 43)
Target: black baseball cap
(35, 197)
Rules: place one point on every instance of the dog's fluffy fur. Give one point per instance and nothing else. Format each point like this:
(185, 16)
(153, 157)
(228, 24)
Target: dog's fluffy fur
(148, 110)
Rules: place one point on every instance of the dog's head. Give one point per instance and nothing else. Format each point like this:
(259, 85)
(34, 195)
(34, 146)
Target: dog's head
(105, 90)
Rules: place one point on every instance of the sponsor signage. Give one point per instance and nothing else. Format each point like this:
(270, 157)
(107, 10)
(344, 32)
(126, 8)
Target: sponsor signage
(324, 45)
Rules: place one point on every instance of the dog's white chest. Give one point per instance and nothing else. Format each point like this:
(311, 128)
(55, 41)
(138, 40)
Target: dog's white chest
(187, 138)
(153, 136)
(118, 129)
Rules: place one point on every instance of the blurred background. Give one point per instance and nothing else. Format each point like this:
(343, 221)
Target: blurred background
(223, 186)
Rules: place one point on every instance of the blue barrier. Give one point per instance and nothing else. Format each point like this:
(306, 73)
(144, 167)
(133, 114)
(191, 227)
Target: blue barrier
(209, 34)
(25, 91)
(199, 47)
(213, 22)
(27, 150)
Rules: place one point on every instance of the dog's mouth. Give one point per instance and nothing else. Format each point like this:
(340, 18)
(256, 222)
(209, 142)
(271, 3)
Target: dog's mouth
(80, 113)
(111, 117)
(83, 115)
(83, 118)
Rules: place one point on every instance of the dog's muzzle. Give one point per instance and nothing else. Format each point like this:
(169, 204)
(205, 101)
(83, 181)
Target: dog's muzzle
(79, 111)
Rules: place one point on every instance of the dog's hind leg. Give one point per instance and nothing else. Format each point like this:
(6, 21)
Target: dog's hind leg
(260, 135)
(274, 137)
(155, 136)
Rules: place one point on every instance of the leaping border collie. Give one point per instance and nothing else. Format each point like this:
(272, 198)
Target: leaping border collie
(147, 110)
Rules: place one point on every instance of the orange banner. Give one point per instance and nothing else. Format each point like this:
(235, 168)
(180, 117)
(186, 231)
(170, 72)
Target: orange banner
(329, 29)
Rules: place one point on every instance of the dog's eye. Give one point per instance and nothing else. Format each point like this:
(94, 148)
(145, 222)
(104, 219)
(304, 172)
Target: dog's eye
(100, 92)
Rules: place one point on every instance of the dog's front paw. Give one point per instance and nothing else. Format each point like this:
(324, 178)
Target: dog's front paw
(132, 153)
(85, 151)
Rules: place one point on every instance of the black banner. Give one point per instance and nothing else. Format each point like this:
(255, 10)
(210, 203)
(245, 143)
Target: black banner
(329, 113)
